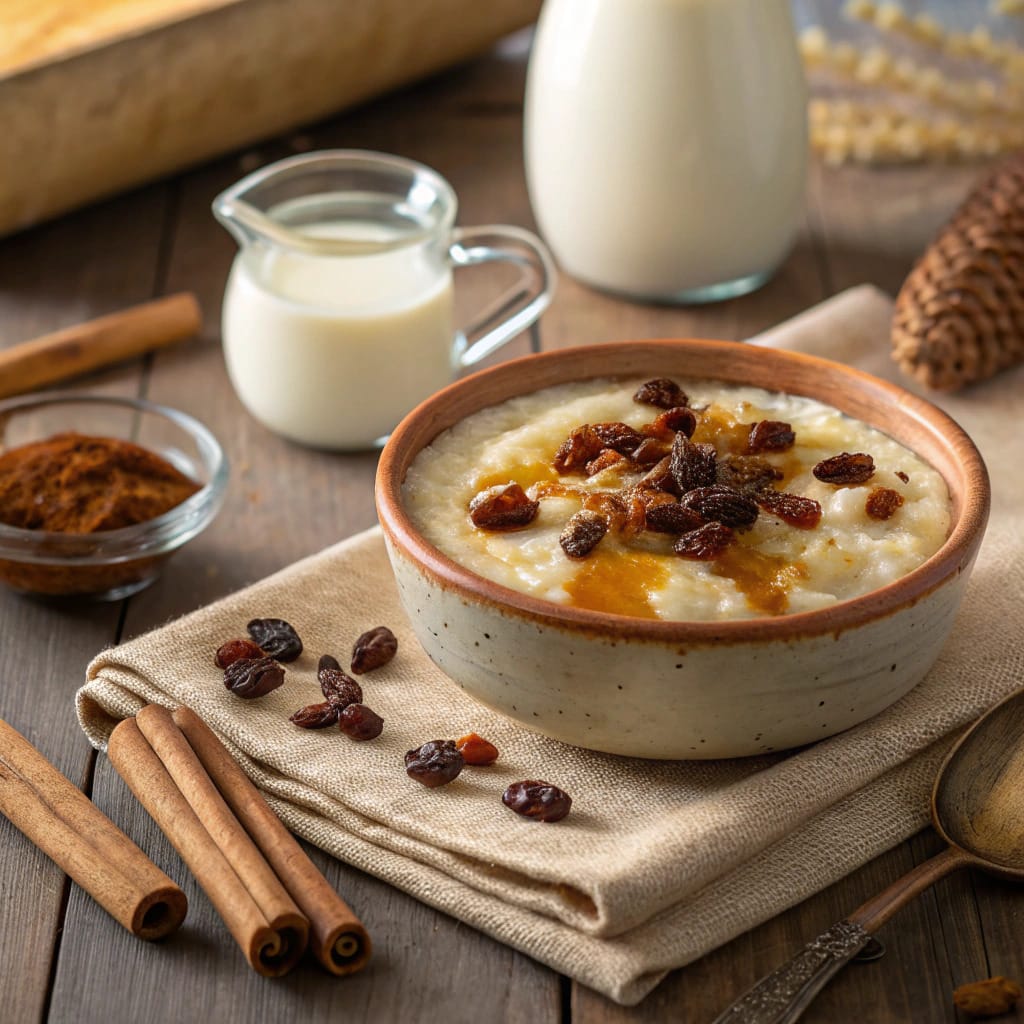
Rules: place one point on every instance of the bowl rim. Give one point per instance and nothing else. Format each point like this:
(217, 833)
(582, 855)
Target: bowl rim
(148, 538)
(970, 508)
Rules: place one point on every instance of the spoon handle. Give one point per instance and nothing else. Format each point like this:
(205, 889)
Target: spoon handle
(877, 910)
(782, 996)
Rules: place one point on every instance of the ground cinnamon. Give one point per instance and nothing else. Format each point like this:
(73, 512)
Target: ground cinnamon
(72, 483)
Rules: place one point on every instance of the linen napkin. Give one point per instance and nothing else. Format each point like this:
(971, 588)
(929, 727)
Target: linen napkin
(659, 862)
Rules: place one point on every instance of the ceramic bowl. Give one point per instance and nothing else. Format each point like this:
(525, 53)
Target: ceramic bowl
(664, 689)
(109, 564)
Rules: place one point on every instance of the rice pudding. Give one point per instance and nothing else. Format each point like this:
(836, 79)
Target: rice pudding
(715, 502)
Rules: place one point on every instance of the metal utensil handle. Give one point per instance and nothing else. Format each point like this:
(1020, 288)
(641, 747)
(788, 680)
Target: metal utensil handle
(782, 996)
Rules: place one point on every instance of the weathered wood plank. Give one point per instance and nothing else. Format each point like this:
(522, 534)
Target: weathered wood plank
(285, 502)
(426, 966)
(911, 982)
(874, 223)
(94, 263)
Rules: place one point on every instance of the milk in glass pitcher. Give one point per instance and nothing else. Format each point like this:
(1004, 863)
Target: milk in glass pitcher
(338, 315)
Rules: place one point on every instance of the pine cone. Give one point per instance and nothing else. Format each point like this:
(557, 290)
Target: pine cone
(960, 313)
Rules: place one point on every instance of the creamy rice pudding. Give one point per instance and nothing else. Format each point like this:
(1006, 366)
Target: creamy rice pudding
(711, 502)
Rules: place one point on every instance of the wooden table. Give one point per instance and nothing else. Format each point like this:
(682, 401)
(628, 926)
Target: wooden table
(63, 958)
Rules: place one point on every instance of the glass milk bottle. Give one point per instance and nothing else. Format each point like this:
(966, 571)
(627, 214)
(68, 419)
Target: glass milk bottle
(666, 143)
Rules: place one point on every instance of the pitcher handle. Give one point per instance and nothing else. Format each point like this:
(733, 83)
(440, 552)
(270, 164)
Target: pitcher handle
(517, 308)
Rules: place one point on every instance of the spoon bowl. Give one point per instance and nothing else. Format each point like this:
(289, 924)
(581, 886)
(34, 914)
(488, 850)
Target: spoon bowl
(978, 800)
(978, 810)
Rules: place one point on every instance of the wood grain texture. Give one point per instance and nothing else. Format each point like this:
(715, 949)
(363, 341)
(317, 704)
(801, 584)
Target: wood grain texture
(425, 966)
(55, 277)
(150, 102)
(284, 502)
(36, 31)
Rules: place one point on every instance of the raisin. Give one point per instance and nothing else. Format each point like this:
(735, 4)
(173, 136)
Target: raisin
(704, 544)
(605, 460)
(662, 392)
(327, 661)
(747, 473)
(579, 448)
(791, 508)
(506, 507)
(845, 468)
(988, 998)
(620, 437)
(582, 533)
(376, 647)
(652, 451)
(235, 650)
(692, 465)
(635, 520)
(475, 750)
(672, 518)
(538, 800)
(883, 502)
(435, 763)
(770, 436)
(651, 498)
(721, 504)
(609, 506)
(660, 478)
(253, 677)
(277, 638)
(339, 688)
(903, 476)
(359, 722)
(676, 420)
(315, 716)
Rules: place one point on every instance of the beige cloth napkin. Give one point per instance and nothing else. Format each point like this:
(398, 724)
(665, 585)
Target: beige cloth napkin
(659, 862)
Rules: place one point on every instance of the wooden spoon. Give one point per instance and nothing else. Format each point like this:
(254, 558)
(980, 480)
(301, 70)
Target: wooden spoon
(977, 808)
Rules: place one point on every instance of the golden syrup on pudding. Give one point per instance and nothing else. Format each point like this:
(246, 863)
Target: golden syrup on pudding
(618, 581)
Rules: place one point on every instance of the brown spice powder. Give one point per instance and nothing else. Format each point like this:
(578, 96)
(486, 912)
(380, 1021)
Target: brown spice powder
(72, 483)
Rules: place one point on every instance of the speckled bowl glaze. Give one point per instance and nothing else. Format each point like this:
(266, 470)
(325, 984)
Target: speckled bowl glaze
(686, 689)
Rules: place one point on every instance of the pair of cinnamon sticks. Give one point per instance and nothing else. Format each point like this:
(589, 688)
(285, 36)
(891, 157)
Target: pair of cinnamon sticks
(72, 831)
(270, 895)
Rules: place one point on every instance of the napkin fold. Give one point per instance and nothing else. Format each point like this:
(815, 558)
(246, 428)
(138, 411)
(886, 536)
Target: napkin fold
(659, 862)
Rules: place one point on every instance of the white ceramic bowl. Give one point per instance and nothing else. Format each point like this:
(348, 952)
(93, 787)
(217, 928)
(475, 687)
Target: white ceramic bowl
(686, 689)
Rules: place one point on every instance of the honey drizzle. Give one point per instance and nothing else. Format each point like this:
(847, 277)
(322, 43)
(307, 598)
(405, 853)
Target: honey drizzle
(715, 426)
(764, 580)
(619, 581)
(729, 436)
(525, 475)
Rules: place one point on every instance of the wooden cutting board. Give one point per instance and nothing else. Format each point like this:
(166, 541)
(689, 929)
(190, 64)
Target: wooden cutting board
(100, 95)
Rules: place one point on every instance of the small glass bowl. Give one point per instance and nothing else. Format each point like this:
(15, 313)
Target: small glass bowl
(109, 564)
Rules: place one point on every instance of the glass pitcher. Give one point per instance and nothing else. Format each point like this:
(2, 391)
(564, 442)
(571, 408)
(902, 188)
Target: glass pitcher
(338, 312)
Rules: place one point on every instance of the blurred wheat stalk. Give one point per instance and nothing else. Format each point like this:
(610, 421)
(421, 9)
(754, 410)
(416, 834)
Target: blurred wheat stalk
(907, 105)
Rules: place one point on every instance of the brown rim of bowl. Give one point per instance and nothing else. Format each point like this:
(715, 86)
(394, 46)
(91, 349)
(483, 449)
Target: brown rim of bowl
(913, 421)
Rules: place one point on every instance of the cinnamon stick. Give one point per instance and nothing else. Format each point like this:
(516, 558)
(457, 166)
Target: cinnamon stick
(84, 842)
(272, 936)
(339, 940)
(100, 342)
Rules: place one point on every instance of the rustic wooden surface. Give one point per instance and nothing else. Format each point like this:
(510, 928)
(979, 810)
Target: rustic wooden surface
(62, 958)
